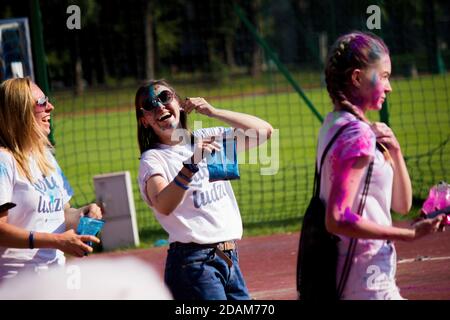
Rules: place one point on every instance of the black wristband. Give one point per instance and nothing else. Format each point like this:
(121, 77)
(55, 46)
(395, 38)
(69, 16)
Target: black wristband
(191, 167)
(185, 177)
(31, 240)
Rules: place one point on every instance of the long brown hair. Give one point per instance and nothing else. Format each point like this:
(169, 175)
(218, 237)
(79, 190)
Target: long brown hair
(147, 138)
(20, 133)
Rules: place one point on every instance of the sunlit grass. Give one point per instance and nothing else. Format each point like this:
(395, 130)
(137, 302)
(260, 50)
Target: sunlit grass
(96, 134)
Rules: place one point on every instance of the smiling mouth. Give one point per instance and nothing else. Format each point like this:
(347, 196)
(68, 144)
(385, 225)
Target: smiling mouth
(165, 116)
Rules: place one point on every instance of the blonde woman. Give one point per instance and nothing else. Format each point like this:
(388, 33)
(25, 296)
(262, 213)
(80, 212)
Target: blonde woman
(36, 221)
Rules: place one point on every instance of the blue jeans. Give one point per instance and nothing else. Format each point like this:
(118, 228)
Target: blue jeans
(198, 273)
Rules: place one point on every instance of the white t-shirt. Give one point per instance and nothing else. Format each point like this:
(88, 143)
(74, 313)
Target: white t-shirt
(209, 212)
(372, 275)
(40, 208)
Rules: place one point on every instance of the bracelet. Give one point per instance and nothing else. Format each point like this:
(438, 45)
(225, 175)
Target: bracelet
(31, 240)
(185, 177)
(192, 167)
(178, 183)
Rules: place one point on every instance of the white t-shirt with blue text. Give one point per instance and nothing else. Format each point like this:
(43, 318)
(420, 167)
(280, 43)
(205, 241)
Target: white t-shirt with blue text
(39, 208)
(209, 212)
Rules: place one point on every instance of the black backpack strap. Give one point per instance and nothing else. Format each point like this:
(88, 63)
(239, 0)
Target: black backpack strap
(354, 241)
(318, 173)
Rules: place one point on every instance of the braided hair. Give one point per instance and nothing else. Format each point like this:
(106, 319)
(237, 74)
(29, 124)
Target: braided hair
(355, 50)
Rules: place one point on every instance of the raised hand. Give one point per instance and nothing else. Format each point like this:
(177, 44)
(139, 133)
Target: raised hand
(200, 105)
(385, 135)
(203, 148)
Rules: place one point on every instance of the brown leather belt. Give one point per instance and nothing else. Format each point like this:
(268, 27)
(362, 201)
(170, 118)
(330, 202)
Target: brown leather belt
(219, 246)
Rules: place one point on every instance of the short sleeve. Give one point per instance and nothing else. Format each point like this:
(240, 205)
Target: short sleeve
(6, 177)
(149, 166)
(357, 140)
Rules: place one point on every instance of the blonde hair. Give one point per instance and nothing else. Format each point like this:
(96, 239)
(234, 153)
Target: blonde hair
(20, 133)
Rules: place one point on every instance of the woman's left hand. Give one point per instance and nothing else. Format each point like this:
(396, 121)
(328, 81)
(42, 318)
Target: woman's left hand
(200, 105)
(386, 136)
(92, 211)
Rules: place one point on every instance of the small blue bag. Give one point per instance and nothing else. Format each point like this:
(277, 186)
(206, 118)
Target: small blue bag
(223, 164)
(89, 226)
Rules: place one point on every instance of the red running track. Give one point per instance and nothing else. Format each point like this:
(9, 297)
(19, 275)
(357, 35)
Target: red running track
(269, 265)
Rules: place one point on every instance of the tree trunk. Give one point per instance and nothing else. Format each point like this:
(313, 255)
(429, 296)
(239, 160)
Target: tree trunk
(431, 41)
(256, 67)
(79, 87)
(229, 51)
(149, 42)
(257, 62)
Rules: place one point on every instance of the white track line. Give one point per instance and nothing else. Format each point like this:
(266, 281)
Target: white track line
(423, 258)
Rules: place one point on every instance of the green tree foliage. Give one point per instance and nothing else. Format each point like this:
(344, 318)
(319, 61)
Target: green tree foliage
(206, 37)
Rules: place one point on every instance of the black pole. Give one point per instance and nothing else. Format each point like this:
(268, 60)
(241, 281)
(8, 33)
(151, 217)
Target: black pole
(40, 65)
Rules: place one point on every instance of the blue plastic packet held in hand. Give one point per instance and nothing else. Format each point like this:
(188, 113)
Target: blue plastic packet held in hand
(223, 164)
(89, 226)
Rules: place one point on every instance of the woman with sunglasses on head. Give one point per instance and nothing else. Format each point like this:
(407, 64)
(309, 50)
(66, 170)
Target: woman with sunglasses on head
(201, 217)
(36, 221)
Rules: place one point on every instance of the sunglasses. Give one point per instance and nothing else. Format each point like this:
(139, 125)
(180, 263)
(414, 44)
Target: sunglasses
(42, 102)
(165, 97)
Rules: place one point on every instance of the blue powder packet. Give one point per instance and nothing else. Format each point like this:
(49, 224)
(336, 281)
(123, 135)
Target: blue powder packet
(223, 164)
(89, 226)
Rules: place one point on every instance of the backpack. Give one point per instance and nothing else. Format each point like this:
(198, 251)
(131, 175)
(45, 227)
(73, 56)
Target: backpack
(318, 251)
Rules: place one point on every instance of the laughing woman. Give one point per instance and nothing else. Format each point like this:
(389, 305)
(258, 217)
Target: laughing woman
(201, 217)
(36, 220)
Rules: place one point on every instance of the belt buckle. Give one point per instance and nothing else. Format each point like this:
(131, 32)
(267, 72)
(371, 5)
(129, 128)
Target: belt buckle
(226, 246)
(220, 248)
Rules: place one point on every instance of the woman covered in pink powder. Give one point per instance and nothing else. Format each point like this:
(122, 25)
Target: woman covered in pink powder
(357, 76)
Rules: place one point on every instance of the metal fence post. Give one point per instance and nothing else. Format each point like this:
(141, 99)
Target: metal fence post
(40, 64)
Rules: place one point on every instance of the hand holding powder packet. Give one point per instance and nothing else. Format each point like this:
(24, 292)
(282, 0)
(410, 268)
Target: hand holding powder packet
(223, 164)
(89, 226)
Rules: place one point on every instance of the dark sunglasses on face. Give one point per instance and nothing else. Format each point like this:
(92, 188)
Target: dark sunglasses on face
(165, 97)
(42, 102)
